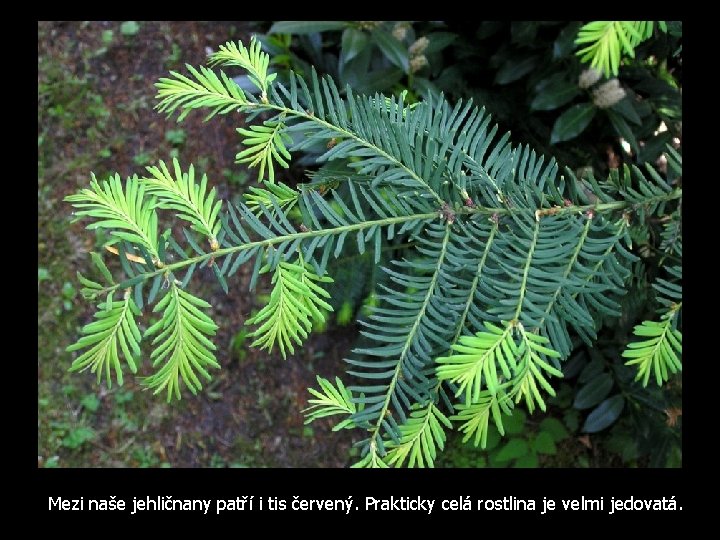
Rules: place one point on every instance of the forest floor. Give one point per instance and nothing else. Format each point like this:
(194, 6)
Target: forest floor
(95, 114)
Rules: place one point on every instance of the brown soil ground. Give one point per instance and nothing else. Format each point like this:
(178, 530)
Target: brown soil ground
(95, 113)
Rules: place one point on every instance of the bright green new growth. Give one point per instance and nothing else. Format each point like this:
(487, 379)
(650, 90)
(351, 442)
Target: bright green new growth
(294, 305)
(285, 197)
(181, 342)
(251, 59)
(183, 194)
(420, 437)
(114, 332)
(477, 416)
(331, 401)
(266, 145)
(608, 40)
(485, 352)
(480, 356)
(126, 213)
(659, 349)
(509, 263)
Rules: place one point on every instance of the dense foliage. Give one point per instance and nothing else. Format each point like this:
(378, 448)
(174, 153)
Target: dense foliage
(499, 269)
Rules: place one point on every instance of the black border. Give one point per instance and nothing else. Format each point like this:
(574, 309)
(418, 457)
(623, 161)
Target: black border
(437, 484)
(331, 483)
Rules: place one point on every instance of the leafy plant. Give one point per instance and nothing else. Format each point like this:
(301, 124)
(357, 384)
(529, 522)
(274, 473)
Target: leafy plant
(43, 275)
(607, 40)
(504, 65)
(536, 66)
(370, 56)
(174, 56)
(175, 136)
(626, 418)
(525, 446)
(107, 37)
(129, 28)
(505, 260)
(68, 294)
